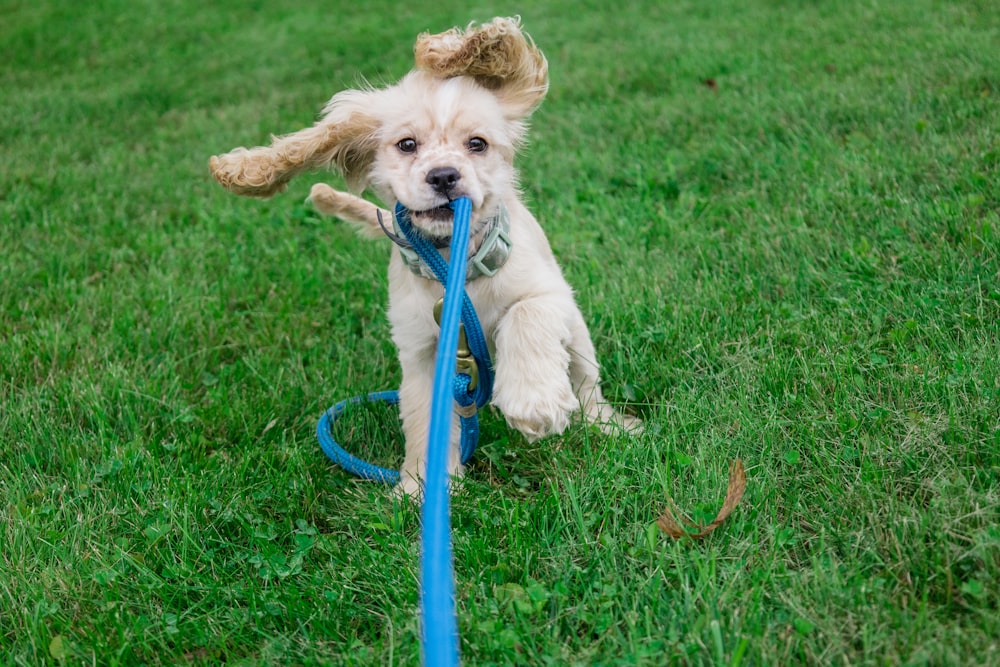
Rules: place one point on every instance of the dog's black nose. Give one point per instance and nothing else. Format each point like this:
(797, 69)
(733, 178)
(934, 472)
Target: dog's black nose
(443, 179)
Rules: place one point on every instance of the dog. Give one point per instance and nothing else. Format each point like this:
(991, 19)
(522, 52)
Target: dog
(449, 129)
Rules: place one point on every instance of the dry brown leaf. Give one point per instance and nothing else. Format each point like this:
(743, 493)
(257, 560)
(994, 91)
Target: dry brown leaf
(669, 524)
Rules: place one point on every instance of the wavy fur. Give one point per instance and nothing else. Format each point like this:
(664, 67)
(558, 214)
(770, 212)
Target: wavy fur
(462, 112)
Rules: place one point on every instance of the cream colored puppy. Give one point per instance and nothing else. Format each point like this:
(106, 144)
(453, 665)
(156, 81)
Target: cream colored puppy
(450, 129)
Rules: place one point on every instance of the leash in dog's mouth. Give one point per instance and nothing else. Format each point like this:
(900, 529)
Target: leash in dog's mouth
(484, 261)
(438, 241)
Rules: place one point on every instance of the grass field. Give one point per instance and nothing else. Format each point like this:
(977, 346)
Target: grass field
(783, 222)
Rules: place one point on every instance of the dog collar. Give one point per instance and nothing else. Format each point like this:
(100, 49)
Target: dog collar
(491, 255)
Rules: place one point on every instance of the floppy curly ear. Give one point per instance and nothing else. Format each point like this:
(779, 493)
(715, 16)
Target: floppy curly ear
(343, 139)
(497, 54)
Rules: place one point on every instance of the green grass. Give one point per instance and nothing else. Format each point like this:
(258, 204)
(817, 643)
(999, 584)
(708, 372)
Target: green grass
(799, 266)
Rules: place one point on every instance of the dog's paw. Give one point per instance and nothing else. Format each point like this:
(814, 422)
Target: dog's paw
(632, 424)
(539, 413)
(621, 422)
(323, 198)
(409, 488)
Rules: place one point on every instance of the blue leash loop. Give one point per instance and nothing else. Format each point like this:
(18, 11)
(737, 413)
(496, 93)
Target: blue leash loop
(339, 455)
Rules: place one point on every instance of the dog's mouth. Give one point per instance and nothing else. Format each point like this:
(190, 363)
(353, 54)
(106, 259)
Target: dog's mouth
(441, 213)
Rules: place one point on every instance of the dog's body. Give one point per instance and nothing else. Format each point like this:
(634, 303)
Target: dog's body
(450, 129)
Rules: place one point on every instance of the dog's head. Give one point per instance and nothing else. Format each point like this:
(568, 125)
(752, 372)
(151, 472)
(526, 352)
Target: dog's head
(431, 140)
(448, 129)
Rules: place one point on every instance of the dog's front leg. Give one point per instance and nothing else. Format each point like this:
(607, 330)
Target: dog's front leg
(414, 409)
(532, 386)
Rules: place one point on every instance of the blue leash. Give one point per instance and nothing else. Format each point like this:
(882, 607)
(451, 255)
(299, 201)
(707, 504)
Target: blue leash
(437, 582)
(480, 395)
(473, 330)
(437, 595)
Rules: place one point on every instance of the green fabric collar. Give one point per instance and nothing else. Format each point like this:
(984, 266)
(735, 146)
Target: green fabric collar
(492, 253)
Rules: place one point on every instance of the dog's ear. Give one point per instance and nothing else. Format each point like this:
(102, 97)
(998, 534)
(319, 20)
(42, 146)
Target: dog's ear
(497, 54)
(343, 139)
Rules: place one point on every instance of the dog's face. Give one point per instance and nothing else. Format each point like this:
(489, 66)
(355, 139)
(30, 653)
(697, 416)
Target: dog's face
(448, 129)
(440, 139)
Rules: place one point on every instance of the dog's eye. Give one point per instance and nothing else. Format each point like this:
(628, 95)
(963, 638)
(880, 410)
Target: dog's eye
(407, 145)
(477, 145)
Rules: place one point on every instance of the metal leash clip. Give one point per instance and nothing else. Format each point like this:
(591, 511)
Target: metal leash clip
(465, 363)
